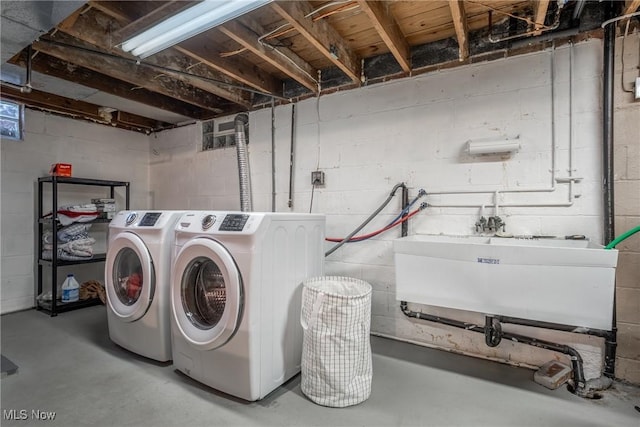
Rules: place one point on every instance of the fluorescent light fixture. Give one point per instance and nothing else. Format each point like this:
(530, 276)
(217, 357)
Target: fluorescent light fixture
(504, 146)
(188, 23)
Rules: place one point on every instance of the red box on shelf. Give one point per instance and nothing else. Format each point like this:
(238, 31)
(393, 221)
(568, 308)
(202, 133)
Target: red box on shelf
(60, 169)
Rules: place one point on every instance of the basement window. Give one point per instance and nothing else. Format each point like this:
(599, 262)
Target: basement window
(11, 120)
(219, 134)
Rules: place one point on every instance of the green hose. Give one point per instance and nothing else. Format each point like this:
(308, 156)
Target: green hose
(622, 237)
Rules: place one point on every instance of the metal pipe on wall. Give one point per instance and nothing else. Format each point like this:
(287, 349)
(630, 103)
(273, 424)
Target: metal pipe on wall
(244, 176)
(292, 153)
(607, 124)
(273, 155)
(607, 165)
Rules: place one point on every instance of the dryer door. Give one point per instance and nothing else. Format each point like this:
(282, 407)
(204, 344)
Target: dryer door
(207, 294)
(130, 277)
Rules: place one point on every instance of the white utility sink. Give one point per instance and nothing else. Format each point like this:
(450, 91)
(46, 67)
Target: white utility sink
(569, 282)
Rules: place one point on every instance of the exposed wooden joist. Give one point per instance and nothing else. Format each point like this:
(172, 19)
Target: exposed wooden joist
(109, 8)
(246, 34)
(207, 52)
(51, 66)
(62, 105)
(631, 6)
(136, 120)
(134, 26)
(462, 29)
(139, 75)
(321, 35)
(387, 27)
(98, 29)
(541, 14)
(200, 49)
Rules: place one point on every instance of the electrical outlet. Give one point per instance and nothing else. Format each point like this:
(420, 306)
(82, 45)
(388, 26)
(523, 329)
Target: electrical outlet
(317, 178)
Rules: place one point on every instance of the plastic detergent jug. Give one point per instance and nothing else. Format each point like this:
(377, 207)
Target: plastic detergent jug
(70, 289)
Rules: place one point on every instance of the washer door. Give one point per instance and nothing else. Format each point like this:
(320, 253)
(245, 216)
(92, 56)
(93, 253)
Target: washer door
(206, 296)
(130, 277)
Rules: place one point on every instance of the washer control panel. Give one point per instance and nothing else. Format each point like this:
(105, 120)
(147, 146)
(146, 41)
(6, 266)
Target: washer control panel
(149, 219)
(234, 222)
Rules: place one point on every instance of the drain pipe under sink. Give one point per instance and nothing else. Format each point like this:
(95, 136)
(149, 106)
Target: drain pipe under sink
(493, 335)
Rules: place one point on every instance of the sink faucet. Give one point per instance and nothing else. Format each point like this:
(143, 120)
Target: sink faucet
(481, 224)
(493, 223)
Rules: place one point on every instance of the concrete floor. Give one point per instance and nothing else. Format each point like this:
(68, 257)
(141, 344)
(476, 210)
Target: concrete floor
(68, 365)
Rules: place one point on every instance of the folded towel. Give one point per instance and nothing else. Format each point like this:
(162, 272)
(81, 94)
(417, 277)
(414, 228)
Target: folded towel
(63, 255)
(71, 232)
(87, 207)
(68, 217)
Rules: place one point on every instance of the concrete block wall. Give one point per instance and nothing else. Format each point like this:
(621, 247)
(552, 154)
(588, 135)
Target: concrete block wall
(185, 177)
(414, 131)
(94, 151)
(627, 207)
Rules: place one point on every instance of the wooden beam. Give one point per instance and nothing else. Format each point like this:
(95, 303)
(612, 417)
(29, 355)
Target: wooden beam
(52, 66)
(71, 107)
(202, 49)
(387, 27)
(321, 35)
(541, 14)
(245, 32)
(139, 121)
(207, 52)
(631, 6)
(110, 8)
(97, 29)
(138, 75)
(462, 29)
(134, 26)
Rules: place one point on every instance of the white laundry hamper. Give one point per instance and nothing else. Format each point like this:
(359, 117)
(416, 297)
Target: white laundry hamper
(336, 348)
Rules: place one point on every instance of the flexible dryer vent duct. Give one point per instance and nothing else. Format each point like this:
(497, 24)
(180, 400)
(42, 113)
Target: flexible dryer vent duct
(240, 122)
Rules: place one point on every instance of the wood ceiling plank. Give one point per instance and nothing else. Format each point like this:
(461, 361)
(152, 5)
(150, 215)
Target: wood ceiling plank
(128, 71)
(51, 66)
(387, 27)
(246, 34)
(63, 105)
(541, 14)
(98, 30)
(111, 9)
(631, 6)
(200, 48)
(136, 120)
(207, 52)
(134, 26)
(461, 27)
(321, 35)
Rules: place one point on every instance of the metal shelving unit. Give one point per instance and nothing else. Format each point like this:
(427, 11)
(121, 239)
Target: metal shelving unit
(54, 307)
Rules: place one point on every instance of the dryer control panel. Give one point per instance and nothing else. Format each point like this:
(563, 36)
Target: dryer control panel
(234, 222)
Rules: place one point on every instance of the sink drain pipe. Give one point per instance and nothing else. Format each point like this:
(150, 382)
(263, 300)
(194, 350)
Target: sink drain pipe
(493, 335)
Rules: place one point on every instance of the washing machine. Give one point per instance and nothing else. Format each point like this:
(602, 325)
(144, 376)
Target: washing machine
(137, 275)
(236, 296)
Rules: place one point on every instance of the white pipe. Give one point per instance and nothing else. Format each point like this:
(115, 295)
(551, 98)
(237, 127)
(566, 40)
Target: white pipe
(570, 180)
(619, 18)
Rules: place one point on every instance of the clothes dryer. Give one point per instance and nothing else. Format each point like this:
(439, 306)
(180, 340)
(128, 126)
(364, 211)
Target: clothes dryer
(236, 297)
(137, 275)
